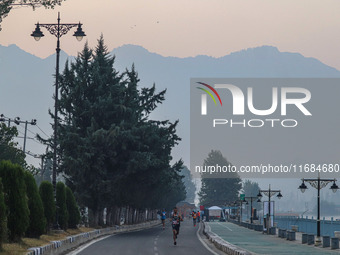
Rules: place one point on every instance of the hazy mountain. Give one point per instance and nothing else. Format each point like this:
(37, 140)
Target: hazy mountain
(26, 81)
(175, 73)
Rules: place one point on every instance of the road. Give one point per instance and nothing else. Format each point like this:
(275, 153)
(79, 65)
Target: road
(152, 241)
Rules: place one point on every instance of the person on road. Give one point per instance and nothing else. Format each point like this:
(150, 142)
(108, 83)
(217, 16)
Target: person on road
(194, 216)
(175, 223)
(198, 216)
(163, 217)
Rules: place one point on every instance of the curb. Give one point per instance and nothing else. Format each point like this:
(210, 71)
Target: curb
(223, 245)
(71, 242)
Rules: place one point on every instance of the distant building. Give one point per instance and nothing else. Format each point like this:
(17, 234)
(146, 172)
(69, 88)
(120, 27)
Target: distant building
(185, 208)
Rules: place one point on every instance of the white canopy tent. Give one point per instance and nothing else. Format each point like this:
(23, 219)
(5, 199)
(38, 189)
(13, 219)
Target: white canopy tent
(215, 211)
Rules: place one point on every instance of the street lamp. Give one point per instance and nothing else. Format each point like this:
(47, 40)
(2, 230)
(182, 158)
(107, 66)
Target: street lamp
(251, 206)
(240, 206)
(318, 184)
(269, 193)
(58, 30)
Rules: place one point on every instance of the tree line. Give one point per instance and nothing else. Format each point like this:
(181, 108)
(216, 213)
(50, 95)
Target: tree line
(112, 155)
(26, 210)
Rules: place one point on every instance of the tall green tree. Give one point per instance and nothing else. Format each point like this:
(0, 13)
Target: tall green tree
(190, 187)
(37, 224)
(47, 198)
(15, 198)
(3, 216)
(251, 189)
(72, 209)
(62, 212)
(112, 154)
(219, 191)
(8, 147)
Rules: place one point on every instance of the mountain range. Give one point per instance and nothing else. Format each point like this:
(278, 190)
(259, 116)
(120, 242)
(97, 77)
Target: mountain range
(26, 81)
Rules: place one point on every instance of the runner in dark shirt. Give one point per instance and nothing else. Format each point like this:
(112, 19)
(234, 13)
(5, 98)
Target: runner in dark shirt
(175, 223)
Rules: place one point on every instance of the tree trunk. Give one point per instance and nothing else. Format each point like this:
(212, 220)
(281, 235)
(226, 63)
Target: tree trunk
(127, 215)
(118, 216)
(93, 218)
(101, 217)
(109, 216)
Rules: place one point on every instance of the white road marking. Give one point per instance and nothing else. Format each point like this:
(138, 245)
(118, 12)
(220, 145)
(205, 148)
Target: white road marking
(155, 248)
(75, 252)
(204, 244)
(225, 226)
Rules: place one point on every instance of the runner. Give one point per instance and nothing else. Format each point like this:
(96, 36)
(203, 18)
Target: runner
(198, 216)
(194, 216)
(163, 217)
(176, 220)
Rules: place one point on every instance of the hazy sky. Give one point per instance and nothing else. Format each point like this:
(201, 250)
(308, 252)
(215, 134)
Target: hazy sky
(188, 27)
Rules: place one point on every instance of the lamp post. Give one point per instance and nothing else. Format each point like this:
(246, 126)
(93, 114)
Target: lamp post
(269, 193)
(58, 30)
(240, 206)
(251, 206)
(318, 184)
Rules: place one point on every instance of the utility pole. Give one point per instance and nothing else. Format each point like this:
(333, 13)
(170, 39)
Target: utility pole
(32, 122)
(17, 121)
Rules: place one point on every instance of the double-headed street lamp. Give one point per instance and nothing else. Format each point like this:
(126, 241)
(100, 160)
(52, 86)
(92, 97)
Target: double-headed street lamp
(269, 193)
(58, 30)
(318, 184)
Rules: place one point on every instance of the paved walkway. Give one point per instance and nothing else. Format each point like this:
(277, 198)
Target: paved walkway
(259, 243)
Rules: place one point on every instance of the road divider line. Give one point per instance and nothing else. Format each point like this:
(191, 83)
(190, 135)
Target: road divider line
(225, 226)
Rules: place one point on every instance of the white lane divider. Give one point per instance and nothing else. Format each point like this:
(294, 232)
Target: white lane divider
(225, 226)
(155, 245)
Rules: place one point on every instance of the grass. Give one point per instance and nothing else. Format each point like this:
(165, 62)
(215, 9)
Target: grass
(21, 247)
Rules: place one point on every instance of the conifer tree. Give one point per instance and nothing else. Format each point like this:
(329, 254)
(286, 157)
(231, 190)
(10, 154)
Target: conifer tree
(3, 217)
(72, 209)
(219, 190)
(37, 224)
(62, 212)
(15, 199)
(47, 198)
(112, 154)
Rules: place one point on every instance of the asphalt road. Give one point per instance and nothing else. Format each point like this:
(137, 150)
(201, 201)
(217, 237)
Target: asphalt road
(153, 241)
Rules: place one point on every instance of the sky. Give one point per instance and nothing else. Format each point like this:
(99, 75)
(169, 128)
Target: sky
(185, 28)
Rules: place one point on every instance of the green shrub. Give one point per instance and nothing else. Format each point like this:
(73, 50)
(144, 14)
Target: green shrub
(37, 224)
(3, 216)
(72, 208)
(47, 198)
(62, 213)
(15, 199)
